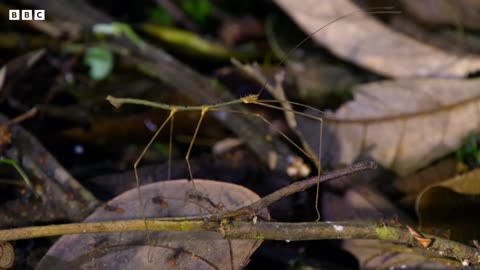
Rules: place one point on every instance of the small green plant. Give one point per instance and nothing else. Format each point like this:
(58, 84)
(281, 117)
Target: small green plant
(469, 153)
(20, 171)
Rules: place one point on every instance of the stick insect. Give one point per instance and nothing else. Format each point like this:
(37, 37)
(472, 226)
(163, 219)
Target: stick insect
(255, 99)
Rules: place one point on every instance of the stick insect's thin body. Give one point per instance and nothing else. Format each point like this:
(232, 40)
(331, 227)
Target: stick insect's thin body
(250, 99)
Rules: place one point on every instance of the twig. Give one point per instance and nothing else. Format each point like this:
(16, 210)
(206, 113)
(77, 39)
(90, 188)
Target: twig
(261, 230)
(264, 202)
(24, 116)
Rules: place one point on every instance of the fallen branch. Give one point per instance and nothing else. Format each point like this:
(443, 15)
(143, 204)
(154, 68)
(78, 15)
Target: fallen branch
(440, 247)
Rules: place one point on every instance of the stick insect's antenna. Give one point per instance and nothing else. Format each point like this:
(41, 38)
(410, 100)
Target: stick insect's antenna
(374, 10)
(318, 162)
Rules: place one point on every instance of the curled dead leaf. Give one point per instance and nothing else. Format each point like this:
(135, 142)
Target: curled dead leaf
(451, 207)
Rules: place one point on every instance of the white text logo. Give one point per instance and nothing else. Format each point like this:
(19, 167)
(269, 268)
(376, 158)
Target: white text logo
(26, 14)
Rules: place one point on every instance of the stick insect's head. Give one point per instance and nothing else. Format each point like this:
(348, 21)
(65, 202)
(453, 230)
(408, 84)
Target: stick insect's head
(114, 101)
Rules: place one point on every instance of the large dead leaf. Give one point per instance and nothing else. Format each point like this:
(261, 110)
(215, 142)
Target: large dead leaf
(451, 207)
(368, 43)
(458, 12)
(403, 125)
(180, 250)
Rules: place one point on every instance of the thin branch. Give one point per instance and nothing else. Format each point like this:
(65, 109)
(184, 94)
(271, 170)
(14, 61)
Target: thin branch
(293, 188)
(262, 230)
(26, 115)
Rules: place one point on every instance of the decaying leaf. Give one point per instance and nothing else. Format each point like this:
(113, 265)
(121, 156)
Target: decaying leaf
(425, 242)
(458, 12)
(404, 124)
(368, 43)
(450, 208)
(181, 250)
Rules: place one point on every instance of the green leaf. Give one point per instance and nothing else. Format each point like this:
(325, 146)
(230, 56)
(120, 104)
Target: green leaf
(100, 61)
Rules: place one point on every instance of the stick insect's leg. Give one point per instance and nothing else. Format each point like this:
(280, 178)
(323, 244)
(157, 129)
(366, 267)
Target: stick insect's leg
(169, 170)
(317, 162)
(319, 168)
(187, 156)
(135, 165)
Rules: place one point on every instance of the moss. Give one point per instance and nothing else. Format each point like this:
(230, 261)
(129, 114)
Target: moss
(259, 237)
(386, 233)
(185, 227)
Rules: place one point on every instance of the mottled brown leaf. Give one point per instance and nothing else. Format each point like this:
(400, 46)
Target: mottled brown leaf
(367, 42)
(180, 250)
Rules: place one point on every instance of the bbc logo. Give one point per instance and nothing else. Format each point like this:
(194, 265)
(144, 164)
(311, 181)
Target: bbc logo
(26, 14)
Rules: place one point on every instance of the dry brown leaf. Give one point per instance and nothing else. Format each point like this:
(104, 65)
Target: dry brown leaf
(181, 250)
(425, 242)
(450, 208)
(404, 125)
(368, 43)
(457, 12)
